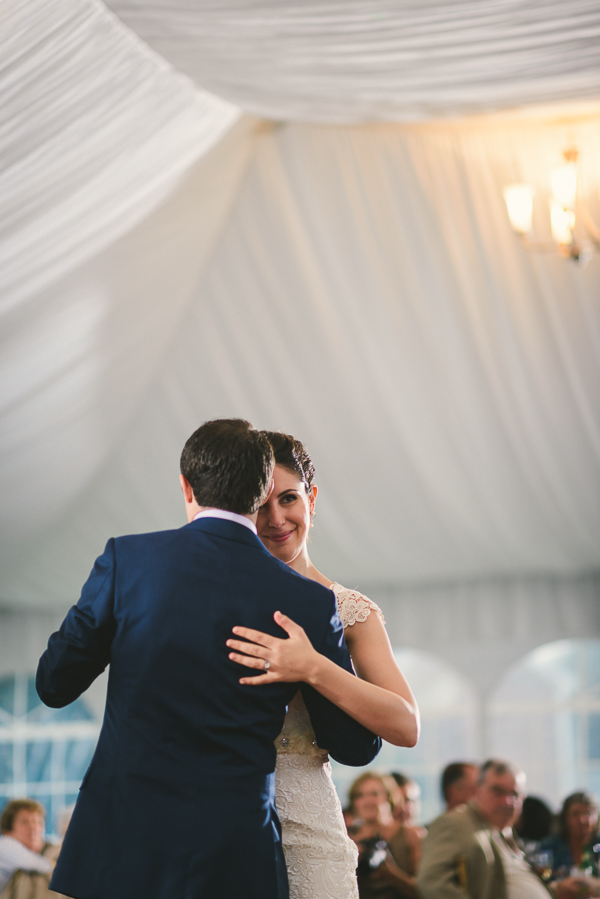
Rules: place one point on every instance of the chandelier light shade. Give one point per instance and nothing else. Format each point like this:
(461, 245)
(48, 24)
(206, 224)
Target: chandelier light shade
(564, 185)
(519, 203)
(566, 210)
(562, 222)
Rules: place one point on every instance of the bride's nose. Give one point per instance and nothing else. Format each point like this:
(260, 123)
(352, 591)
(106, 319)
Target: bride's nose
(276, 516)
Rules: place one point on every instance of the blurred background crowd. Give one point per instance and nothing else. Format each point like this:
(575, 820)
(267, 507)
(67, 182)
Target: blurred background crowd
(492, 840)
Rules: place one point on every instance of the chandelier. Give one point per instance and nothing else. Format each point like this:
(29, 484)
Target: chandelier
(575, 236)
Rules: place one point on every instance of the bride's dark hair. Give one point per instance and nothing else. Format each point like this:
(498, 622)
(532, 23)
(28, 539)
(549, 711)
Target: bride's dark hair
(293, 455)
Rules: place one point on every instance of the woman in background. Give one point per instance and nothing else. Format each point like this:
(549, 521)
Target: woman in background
(577, 843)
(389, 851)
(406, 809)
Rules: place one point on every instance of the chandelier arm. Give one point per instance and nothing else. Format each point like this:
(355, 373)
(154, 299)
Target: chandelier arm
(538, 246)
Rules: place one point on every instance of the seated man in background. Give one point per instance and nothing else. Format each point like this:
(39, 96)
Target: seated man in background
(459, 783)
(471, 851)
(22, 840)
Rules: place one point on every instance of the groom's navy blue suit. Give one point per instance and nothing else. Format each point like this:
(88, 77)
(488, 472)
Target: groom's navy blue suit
(178, 800)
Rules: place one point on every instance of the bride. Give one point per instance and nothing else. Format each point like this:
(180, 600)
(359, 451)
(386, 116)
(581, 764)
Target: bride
(321, 859)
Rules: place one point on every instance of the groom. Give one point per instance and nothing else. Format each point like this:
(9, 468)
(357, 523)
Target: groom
(178, 800)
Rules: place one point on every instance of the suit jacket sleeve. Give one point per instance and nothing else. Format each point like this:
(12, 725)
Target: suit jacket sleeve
(80, 650)
(347, 741)
(485, 870)
(460, 861)
(442, 868)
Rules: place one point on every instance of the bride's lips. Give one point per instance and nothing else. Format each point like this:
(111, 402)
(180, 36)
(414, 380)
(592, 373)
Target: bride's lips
(280, 538)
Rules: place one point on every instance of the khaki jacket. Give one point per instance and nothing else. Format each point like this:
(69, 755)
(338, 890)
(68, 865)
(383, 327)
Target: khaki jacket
(25, 885)
(29, 885)
(460, 859)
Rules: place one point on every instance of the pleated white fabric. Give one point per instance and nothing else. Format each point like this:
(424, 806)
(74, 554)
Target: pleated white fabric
(365, 293)
(164, 259)
(391, 60)
(370, 296)
(95, 131)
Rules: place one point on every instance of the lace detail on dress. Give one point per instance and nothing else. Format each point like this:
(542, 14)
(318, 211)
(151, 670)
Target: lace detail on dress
(320, 857)
(354, 606)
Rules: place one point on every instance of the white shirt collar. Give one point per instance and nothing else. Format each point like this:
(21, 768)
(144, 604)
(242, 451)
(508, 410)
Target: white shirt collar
(228, 516)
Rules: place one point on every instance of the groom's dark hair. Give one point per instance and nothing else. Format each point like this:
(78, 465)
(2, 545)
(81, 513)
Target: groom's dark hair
(229, 465)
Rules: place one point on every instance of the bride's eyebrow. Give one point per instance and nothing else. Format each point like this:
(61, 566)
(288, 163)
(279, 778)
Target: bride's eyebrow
(285, 492)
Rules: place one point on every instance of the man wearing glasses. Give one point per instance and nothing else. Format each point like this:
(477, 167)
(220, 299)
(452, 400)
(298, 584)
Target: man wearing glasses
(471, 853)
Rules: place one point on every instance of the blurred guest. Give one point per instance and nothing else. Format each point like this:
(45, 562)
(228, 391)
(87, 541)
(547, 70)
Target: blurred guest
(397, 797)
(389, 851)
(349, 819)
(410, 811)
(22, 840)
(52, 849)
(458, 783)
(535, 824)
(371, 807)
(471, 851)
(577, 843)
(64, 819)
(405, 849)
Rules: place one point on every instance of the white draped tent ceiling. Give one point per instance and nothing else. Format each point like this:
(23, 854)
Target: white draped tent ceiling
(293, 212)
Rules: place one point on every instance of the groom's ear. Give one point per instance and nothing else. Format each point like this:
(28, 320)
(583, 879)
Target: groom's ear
(188, 493)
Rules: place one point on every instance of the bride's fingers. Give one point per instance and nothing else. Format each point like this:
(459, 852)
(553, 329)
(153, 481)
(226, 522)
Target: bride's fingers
(248, 661)
(288, 625)
(265, 679)
(251, 649)
(254, 636)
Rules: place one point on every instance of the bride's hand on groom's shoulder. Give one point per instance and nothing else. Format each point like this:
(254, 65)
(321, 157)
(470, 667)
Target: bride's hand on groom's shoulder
(288, 659)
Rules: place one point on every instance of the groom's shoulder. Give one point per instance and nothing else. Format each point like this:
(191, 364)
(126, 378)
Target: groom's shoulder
(297, 584)
(149, 539)
(308, 603)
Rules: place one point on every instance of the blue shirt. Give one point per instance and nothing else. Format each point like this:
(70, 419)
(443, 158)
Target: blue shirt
(562, 857)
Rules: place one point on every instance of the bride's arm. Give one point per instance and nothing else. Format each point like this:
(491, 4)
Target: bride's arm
(379, 698)
(389, 692)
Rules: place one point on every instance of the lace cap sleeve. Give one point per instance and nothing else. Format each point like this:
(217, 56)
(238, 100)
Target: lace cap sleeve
(354, 606)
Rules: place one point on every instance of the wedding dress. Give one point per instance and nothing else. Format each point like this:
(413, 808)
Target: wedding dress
(320, 857)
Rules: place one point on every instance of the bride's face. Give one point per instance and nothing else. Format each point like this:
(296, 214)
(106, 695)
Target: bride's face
(284, 520)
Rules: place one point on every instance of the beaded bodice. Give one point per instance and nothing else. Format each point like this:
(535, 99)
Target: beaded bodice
(298, 736)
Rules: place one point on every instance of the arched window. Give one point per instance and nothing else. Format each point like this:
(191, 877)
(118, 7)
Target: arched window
(44, 752)
(448, 706)
(545, 715)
